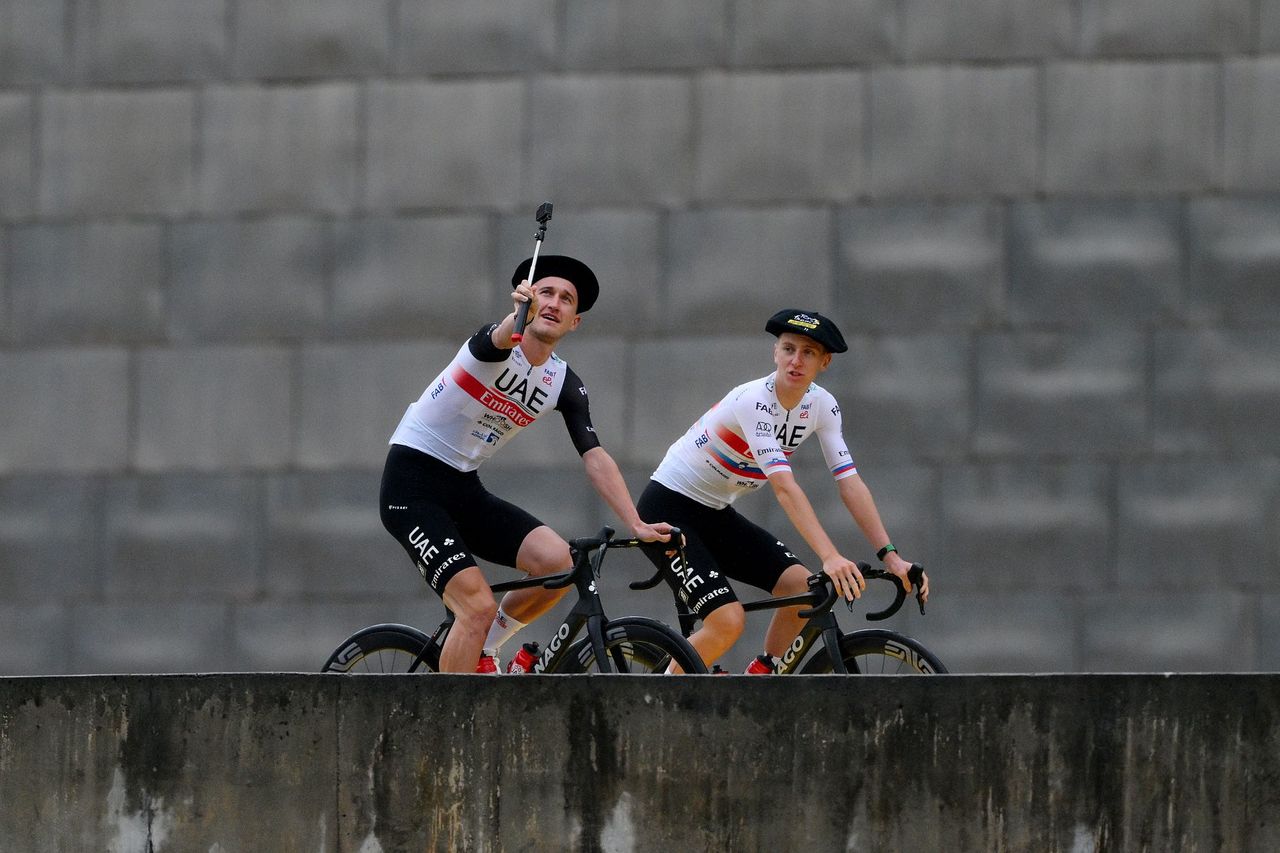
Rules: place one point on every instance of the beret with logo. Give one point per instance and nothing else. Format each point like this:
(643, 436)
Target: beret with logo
(810, 324)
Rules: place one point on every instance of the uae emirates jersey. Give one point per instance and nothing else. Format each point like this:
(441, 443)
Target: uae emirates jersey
(748, 435)
(485, 397)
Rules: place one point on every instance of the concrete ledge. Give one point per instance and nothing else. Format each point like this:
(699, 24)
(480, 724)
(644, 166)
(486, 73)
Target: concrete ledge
(390, 763)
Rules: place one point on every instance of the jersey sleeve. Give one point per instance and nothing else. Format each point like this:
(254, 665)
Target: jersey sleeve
(574, 406)
(831, 439)
(752, 415)
(481, 346)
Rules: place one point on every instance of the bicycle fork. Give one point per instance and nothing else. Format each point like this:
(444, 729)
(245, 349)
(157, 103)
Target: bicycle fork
(588, 613)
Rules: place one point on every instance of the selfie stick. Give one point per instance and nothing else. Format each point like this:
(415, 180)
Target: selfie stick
(543, 217)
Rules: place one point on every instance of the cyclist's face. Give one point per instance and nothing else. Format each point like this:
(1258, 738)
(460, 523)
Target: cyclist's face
(557, 313)
(799, 359)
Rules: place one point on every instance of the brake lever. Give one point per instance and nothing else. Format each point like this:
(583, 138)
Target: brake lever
(915, 574)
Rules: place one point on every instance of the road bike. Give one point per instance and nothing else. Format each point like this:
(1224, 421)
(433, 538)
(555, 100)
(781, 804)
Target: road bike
(631, 644)
(822, 646)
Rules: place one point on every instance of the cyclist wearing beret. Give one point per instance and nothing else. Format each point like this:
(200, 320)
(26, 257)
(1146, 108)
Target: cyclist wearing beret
(432, 500)
(742, 442)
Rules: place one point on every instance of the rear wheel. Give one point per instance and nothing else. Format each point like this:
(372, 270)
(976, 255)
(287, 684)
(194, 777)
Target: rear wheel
(879, 652)
(635, 646)
(385, 648)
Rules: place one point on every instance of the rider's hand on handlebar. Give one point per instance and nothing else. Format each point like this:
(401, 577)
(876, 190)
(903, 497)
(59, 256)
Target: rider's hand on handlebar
(657, 532)
(846, 577)
(900, 567)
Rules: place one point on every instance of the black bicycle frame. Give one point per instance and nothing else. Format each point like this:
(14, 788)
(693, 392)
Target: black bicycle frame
(820, 623)
(587, 611)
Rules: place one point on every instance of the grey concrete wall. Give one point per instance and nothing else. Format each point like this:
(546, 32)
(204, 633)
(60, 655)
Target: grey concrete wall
(237, 237)
(367, 764)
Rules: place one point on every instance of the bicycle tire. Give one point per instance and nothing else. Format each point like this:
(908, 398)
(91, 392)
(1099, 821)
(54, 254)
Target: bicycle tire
(636, 646)
(876, 651)
(385, 648)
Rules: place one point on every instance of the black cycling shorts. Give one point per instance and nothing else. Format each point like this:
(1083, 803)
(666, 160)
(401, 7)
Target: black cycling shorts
(720, 544)
(442, 516)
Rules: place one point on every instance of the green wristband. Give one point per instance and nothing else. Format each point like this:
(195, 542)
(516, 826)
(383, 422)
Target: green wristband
(884, 552)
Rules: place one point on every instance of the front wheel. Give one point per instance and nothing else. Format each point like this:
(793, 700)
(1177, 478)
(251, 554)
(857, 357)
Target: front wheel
(635, 646)
(879, 652)
(385, 648)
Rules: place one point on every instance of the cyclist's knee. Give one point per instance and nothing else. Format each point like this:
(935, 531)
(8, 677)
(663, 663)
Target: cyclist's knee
(794, 581)
(469, 597)
(543, 552)
(727, 621)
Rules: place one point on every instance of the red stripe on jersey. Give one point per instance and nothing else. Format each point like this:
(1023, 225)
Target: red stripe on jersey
(490, 399)
(736, 443)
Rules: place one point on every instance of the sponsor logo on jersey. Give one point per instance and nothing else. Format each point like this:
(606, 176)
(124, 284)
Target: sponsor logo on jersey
(492, 400)
(516, 386)
(794, 438)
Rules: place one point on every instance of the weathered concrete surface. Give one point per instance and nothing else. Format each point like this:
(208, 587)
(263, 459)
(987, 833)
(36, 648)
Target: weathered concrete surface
(395, 763)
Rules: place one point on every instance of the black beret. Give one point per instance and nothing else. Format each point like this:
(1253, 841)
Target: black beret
(562, 266)
(810, 324)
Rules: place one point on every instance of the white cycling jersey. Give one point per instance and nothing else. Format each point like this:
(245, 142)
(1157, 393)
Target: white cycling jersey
(748, 435)
(485, 397)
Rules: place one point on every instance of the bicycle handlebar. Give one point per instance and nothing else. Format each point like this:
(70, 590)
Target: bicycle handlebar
(915, 574)
(641, 543)
(828, 598)
(603, 540)
(650, 583)
(818, 579)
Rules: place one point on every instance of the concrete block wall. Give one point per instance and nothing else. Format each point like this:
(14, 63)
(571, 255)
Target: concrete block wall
(326, 763)
(236, 239)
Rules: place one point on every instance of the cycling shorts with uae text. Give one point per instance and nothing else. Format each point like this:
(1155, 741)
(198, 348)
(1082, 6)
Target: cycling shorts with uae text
(720, 544)
(442, 516)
